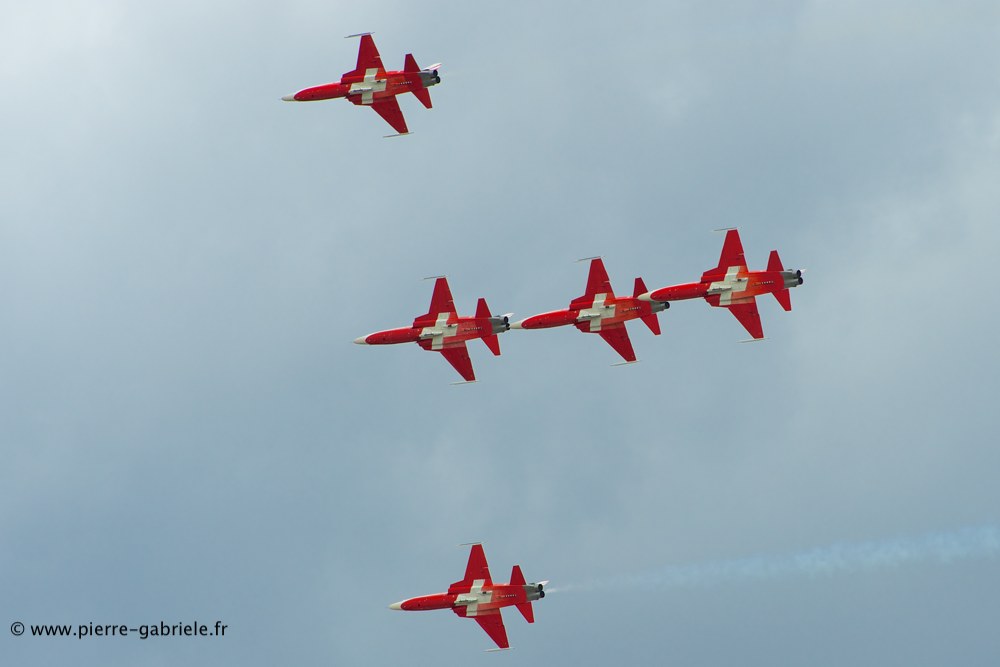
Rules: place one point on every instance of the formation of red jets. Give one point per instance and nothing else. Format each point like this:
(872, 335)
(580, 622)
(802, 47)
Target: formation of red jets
(729, 285)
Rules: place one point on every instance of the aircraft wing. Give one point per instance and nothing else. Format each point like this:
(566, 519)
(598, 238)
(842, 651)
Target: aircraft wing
(597, 280)
(492, 623)
(732, 252)
(368, 58)
(746, 313)
(441, 299)
(388, 108)
(441, 303)
(477, 568)
(617, 337)
(458, 357)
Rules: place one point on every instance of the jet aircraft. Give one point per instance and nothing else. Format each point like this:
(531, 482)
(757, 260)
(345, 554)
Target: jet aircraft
(731, 285)
(442, 330)
(600, 311)
(478, 598)
(369, 84)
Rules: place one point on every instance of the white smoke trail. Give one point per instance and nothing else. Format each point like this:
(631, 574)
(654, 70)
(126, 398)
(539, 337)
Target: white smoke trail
(945, 548)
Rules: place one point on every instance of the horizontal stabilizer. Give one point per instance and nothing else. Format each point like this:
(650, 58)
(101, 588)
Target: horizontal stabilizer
(423, 95)
(652, 322)
(526, 611)
(493, 343)
(784, 298)
(640, 288)
(774, 262)
(482, 310)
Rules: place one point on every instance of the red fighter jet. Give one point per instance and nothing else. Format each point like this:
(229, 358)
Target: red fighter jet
(478, 598)
(442, 330)
(600, 311)
(369, 84)
(731, 285)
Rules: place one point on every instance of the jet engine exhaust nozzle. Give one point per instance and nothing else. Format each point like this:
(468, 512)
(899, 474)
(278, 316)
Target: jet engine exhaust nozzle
(501, 323)
(792, 278)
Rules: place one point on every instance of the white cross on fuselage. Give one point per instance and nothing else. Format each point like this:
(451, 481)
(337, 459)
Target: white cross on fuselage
(439, 331)
(369, 86)
(597, 312)
(729, 285)
(474, 597)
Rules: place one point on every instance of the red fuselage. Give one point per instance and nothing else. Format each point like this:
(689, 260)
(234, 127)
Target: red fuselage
(720, 288)
(589, 314)
(390, 85)
(452, 331)
(491, 597)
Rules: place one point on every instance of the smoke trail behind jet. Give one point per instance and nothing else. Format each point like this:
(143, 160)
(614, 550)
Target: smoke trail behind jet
(844, 558)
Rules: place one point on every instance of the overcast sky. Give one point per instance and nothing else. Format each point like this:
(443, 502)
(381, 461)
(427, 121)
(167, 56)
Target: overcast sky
(187, 432)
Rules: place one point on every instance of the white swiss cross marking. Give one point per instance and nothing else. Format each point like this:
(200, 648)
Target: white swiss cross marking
(369, 86)
(474, 597)
(728, 286)
(597, 312)
(439, 331)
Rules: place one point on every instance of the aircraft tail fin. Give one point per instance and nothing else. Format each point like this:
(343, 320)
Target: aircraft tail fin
(423, 95)
(410, 66)
(774, 262)
(517, 579)
(649, 317)
(640, 288)
(493, 343)
(526, 611)
(784, 298)
(652, 322)
(483, 313)
(482, 310)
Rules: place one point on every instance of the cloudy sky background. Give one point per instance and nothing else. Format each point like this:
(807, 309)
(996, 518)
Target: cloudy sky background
(188, 433)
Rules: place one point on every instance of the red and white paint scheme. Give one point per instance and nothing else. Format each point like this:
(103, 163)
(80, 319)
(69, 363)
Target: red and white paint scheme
(369, 84)
(442, 330)
(478, 598)
(600, 311)
(731, 285)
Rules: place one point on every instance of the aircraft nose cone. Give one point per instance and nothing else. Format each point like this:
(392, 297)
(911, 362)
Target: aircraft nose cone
(288, 98)
(645, 297)
(516, 325)
(360, 340)
(397, 606)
